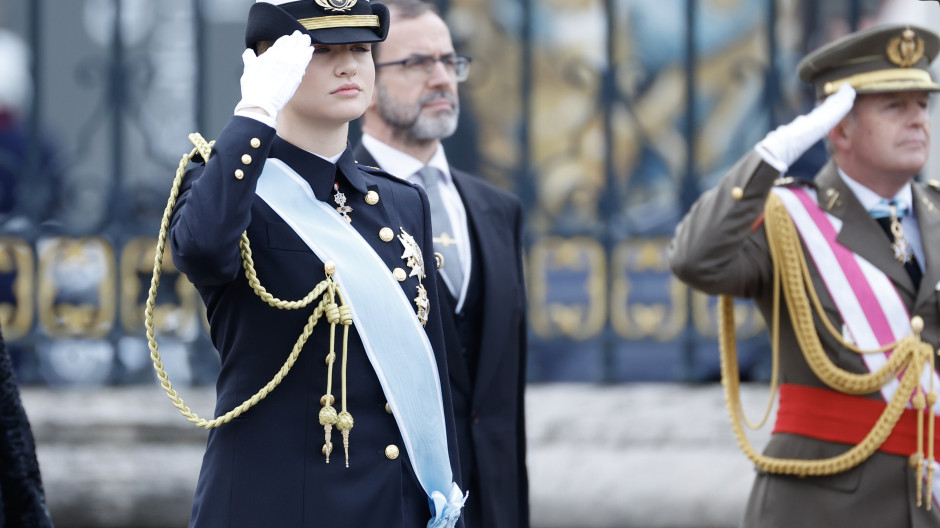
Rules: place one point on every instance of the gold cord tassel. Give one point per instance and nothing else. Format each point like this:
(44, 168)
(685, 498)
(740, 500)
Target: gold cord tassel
(328, 416)
(931, 424)
(345, 420)
(344, 424)
(920, 402)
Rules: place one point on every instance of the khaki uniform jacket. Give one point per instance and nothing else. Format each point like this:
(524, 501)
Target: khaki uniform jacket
(720, 248)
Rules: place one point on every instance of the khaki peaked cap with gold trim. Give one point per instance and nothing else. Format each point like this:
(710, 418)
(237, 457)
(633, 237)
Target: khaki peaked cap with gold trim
(326, 21)
(881, 59)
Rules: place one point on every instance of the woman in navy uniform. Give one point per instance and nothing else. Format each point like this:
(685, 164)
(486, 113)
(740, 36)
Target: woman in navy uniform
(282, 173)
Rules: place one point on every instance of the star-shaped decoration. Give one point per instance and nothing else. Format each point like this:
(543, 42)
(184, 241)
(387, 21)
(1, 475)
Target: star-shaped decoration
(412, 254)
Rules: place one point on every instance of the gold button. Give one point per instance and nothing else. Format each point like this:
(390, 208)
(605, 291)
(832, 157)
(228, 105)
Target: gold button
(391, 452)
(737, 193)
(388, 409)
(372, 197)
(439, 259)
(246, 159)
(386, 234)
(255, 142)
(400, 274)
(323, 400)
(239, 174)
(329, 267)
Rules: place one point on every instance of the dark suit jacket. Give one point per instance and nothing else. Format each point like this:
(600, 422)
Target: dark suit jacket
(490, 409)
(718, 250)
(266, 468)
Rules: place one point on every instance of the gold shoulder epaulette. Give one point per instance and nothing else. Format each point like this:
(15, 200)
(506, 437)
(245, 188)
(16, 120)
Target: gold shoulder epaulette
(934, 184)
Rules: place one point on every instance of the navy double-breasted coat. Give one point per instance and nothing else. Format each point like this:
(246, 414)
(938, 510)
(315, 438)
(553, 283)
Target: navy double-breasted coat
(266, 468)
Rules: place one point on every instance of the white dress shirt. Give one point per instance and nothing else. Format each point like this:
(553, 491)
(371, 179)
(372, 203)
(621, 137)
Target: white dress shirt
(401, 165)
(869, 199)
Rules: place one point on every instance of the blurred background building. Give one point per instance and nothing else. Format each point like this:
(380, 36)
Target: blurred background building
(606, 117)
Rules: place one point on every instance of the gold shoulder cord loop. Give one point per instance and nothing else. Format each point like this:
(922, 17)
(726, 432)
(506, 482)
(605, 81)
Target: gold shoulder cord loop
(910, 355)
(326, 290)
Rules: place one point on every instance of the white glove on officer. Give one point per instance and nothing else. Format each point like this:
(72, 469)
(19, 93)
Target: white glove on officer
(270, 80)
(783, 146)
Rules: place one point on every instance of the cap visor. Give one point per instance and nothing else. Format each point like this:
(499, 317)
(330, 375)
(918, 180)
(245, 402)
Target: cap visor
(343, 35)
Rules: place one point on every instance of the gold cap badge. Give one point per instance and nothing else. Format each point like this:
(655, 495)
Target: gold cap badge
(336, 5)
(905, 50)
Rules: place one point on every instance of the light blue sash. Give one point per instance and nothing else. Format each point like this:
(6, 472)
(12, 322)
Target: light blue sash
(394, 339)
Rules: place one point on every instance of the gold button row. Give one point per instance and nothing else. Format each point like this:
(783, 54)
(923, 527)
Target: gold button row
(246, 158)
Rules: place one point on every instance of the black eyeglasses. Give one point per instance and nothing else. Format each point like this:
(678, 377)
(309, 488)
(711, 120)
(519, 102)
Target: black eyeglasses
(419, 67)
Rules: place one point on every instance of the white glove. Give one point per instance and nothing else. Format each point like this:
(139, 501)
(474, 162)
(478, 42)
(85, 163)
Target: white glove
(781, 147)
(270, 80)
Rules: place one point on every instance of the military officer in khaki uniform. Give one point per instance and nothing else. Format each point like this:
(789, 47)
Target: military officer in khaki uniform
(849, 448)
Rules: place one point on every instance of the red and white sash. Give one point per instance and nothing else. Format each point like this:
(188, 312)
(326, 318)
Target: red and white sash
(870, 306)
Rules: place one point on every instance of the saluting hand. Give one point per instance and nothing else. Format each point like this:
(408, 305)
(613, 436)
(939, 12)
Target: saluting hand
(781, 147)
(269, 80)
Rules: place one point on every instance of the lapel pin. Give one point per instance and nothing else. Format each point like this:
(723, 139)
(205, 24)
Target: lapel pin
(833, 196)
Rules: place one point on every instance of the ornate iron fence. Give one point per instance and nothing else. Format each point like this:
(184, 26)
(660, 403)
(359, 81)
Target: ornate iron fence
(606, 117)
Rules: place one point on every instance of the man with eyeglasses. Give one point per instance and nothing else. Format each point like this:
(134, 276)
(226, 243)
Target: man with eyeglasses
(478, 233)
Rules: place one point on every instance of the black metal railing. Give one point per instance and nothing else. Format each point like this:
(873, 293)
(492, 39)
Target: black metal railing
(607, 119)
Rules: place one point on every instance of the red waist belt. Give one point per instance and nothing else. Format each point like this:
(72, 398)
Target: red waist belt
(835, 417)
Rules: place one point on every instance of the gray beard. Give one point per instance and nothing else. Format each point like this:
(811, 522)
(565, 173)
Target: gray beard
(410, 125)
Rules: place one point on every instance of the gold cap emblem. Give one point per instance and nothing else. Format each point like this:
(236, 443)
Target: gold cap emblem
(336, 5)
(905, 50)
